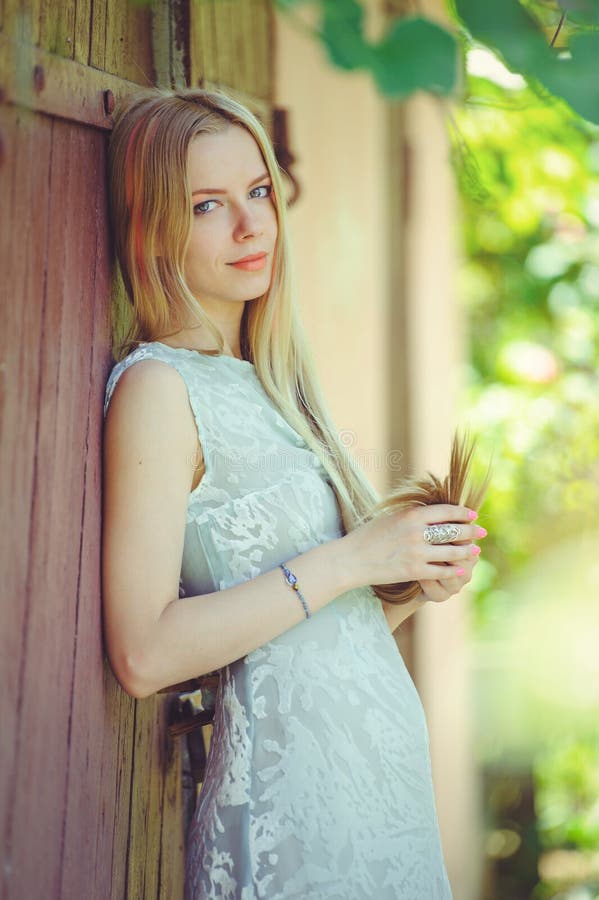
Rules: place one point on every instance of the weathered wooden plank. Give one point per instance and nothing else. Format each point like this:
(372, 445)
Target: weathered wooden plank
(56, 24)
(44, 720)
(172, 848)
(128, 51)
(84, 11)
(29, 15)
(42, 733)
(11, 19)
(24, 174)
(223, 25)
(112, 826)
(97, 45)
(87, 768)
(180, 43)
(146, 800)
(136, 58)
(203, 56)
(161, 44)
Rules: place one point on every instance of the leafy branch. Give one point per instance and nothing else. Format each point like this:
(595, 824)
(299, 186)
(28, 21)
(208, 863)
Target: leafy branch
(554, 45)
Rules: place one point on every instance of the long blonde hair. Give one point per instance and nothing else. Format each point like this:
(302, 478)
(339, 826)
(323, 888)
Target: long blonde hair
(151, 215)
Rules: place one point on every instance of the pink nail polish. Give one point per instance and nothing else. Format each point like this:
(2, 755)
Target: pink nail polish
(475, 551)
(460, 572)
(472, 515)
(481, 532)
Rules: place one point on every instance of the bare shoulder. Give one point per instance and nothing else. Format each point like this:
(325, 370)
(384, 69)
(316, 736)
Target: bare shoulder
(150, 407)
(146, 387)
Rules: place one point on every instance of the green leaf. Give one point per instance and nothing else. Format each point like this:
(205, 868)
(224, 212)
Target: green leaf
(416, 54)
(583, 12)
(575, 78)
(507, 27)
(342, 33)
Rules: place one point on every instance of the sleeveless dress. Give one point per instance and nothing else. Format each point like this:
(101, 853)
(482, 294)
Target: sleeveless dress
(318, 779)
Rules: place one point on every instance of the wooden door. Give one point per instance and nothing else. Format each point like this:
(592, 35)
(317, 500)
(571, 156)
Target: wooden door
(90, 781)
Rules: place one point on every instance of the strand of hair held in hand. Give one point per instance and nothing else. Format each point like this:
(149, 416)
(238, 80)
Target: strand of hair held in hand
(456, 488)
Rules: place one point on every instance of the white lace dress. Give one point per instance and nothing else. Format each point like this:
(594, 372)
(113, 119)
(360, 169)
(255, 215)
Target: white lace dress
(318, 780)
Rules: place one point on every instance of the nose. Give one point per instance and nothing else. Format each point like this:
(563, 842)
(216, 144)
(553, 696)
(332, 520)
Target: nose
(247, 223)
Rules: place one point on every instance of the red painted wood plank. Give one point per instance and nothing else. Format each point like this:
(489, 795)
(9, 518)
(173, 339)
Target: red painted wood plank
(89, 769)
(45, 720)
(24, 176)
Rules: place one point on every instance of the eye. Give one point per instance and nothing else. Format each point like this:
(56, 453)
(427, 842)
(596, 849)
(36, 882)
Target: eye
(263, 190)
(204, 207)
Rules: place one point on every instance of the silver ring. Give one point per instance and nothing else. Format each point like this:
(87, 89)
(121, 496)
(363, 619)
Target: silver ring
(441, 534)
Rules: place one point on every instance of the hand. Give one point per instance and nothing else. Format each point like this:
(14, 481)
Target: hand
(391, 548)
(439, 591)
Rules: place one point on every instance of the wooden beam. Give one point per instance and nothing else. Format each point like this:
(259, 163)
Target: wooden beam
(40, 81)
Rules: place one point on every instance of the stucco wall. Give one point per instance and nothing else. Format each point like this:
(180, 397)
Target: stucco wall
(337, 134)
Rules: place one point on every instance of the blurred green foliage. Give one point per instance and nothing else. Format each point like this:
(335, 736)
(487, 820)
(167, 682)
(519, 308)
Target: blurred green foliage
(528, 175)
(567, 795)
(529, 181)
(522, 33)
(415, 53)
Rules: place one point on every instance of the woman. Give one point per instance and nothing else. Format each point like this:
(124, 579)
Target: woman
(237, 534)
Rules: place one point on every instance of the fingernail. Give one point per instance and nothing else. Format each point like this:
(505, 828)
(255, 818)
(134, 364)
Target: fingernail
(475, 551)
(460, 571)
(481, 532)
(472, 514)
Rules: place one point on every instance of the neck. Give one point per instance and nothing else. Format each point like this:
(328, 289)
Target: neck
(197, 337)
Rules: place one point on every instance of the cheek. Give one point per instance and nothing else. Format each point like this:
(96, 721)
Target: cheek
(203, 247)
(271, 220)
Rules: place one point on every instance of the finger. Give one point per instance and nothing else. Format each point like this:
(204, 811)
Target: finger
(453, 586)
(442, 572)
(434, 591)
(446, 512)
(452, 552)
(470, 533)
(466, 535)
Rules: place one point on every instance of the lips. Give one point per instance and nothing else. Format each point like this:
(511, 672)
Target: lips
(251, 263)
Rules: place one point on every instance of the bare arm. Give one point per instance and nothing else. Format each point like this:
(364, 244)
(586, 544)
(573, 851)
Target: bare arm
(155, 639)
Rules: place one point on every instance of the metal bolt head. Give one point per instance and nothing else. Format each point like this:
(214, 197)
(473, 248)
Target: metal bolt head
(39, 78)
(109, 102)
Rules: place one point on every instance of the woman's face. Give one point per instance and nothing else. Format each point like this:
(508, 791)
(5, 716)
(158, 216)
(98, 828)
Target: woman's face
(234, 230)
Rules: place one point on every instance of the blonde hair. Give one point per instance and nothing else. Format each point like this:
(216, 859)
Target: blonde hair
(151, 215)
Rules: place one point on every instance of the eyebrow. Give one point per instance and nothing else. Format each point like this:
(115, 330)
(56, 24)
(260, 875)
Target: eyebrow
(264, 177)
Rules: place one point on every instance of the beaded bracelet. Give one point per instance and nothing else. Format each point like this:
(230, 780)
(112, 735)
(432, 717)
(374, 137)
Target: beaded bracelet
(291, 580)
